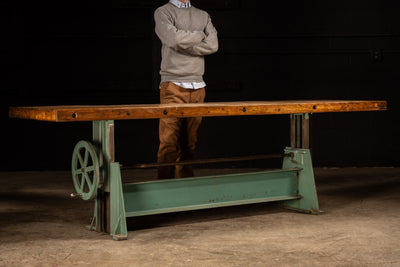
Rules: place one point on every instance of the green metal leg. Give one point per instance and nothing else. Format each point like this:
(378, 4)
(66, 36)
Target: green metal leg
(103, 139)
(118, 218)
(308, 202)
(109, 212)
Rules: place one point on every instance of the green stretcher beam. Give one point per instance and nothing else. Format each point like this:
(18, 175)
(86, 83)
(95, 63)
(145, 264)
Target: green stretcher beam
(209, 192)
(293, 186)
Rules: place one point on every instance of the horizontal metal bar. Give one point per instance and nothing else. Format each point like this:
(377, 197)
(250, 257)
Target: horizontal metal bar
(210, 205)
(204, 161)
(174, 195)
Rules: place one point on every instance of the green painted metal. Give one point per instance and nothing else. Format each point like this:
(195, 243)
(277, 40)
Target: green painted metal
(306, 188)
(118, 228)
(103, 138)
(85, 170)
(208, 192)
(293, 185)
(93, 224)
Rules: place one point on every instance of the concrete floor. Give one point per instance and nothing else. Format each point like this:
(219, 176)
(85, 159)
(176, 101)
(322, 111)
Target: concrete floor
(41, 226)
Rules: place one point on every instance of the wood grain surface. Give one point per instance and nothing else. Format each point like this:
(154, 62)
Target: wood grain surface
(209, 109)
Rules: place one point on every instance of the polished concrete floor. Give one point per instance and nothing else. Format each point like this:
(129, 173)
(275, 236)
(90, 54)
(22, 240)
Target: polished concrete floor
(40, 225)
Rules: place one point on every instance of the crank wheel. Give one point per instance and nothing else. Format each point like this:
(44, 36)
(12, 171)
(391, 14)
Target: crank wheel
(85, 170)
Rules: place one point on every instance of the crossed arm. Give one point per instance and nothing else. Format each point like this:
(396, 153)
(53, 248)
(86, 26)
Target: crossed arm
(197, 43)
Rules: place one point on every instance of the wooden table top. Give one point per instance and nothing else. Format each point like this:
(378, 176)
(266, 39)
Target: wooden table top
(209, 109)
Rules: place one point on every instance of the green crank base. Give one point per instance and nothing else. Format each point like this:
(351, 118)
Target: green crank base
(293, 185)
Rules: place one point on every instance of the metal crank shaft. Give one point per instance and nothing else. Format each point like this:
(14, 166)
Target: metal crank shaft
(204, 161)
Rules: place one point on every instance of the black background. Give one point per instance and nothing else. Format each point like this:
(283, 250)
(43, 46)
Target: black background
(106, 52)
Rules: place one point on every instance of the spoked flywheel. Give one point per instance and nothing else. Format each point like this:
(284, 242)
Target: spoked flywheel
(85, 170)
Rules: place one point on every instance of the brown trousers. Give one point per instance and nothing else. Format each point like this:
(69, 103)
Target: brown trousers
(178, 136)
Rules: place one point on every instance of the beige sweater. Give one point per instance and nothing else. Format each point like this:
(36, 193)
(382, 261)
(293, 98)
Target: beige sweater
(186, 34)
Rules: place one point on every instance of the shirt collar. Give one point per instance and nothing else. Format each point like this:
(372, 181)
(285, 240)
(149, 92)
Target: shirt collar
(179, 4)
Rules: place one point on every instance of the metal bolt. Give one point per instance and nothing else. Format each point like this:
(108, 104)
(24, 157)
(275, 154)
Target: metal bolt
(165, 112)
(75, 195)
(244, 110)
(74, 115)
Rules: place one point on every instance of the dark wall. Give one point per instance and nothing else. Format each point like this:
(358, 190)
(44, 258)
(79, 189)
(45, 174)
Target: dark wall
(86, 52)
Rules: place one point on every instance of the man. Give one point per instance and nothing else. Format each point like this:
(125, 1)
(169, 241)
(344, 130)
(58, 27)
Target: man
(187, 35)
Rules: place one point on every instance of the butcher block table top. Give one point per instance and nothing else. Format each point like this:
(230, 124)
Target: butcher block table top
(209, 109)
